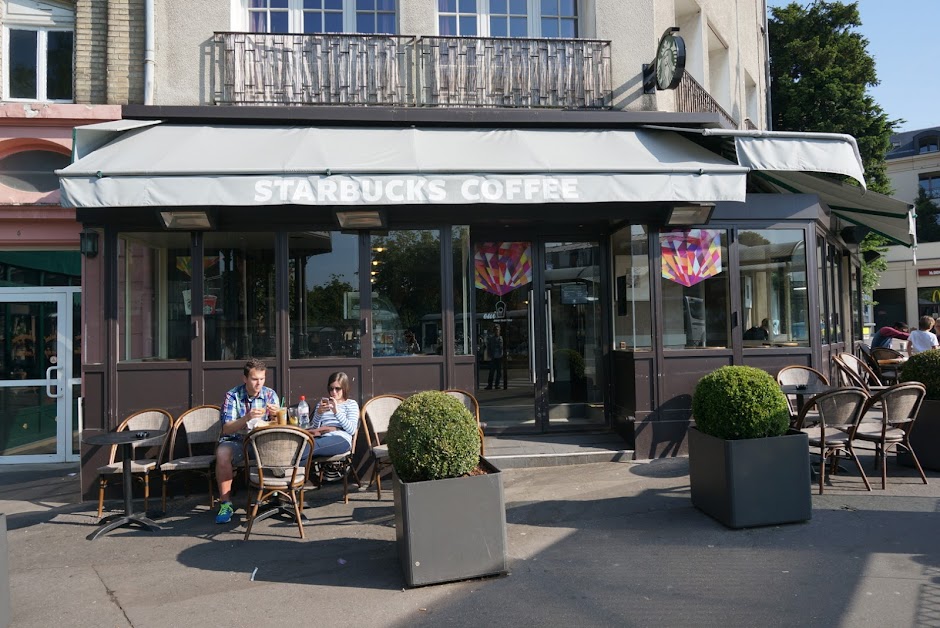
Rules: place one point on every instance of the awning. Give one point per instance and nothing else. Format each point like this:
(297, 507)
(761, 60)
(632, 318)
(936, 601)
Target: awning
(890, 217)
(177, 165)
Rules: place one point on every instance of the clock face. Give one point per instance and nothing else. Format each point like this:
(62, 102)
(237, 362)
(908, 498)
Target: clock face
(670, 62)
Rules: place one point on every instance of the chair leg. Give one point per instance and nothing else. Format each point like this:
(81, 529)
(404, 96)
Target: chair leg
(102, 484)
(920, 470)
(146, 492)
(884, 468)
(293, 497)
(822, 469)
(163, 503)
(211, 492)
(858, 464)
(378, 481)
(252, 512)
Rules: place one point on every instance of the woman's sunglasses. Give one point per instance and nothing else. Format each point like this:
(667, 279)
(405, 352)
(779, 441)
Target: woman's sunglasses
(332, 388)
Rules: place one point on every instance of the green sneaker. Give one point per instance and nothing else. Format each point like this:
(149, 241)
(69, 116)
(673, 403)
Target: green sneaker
(225, 513)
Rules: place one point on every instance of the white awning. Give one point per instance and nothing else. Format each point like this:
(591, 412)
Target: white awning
(890, 217)
(178, 165)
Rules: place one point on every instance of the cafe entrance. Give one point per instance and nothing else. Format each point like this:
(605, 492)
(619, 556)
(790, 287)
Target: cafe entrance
(539, 321)
(40, 380)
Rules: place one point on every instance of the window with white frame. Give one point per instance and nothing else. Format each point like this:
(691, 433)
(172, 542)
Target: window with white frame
(322, 16)
(38, 50)
(508, 18)
(930, 183)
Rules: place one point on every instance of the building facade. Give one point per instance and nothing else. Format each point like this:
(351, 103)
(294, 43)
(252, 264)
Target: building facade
(487, 195)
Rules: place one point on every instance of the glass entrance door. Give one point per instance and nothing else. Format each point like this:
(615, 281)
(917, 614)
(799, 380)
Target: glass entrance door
(538, 330)
(39, 380)
(573, 330)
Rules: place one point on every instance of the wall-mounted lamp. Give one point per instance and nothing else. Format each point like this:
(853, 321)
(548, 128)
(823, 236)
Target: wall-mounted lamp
(88, 242)
(186, 220)
(685, 215)
(361, 219)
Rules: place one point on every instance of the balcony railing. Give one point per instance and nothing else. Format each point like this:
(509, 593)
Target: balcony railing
(693, 98)
(268, 69)
(260, 69)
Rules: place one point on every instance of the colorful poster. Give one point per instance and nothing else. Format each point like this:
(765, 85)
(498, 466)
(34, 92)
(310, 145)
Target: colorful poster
(501, 267)
(691, 256)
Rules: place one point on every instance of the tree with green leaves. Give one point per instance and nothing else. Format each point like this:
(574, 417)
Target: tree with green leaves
(820, 72)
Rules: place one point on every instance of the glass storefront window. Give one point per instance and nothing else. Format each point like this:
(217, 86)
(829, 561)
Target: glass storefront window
(774, 303)
(323, 277)
(239, 303)
(463, 255)
(696, 293)
(836, 302)
(823, 301)
(40, 268)
(154, 284)
(406, 292)
(632, 320)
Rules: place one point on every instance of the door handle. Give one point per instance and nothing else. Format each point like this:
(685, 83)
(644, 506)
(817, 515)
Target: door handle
(531, 343)
(58, 388)
(548, 334)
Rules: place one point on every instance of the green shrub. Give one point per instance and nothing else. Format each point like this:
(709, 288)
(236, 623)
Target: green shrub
(432, 436)
(736, 402)
(924, 368)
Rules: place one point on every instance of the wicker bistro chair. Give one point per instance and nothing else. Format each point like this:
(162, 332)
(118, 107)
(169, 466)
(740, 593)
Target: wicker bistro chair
(887, 373)
(340, 463)
(201, 426)
(838, 414)
(152, 419)
(899, 407)
(471, 403)
(277, 469)
(374, 416)
(855, 372)
(795, 375)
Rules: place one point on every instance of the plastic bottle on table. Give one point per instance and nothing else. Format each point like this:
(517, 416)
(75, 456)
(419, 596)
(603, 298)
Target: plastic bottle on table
(303, 413)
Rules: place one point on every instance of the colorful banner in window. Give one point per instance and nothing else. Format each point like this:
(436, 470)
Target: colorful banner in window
(501, 267)
(690, 256)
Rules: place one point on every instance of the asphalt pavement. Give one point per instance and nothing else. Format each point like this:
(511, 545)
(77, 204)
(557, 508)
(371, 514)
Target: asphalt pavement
(602, 544)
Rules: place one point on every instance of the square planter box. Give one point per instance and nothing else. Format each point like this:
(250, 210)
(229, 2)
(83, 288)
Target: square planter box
(925, 437)
(751, 482)
(451, 529)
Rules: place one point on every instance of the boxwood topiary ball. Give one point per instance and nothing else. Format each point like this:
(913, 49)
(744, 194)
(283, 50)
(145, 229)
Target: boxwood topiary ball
(736, 402)
(432, 436)
(924, 368)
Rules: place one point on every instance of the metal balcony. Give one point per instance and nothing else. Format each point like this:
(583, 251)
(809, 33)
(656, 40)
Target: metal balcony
(341, 69)
(693, 98)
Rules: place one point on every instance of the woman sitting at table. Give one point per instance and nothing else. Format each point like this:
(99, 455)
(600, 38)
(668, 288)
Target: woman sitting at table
(922, 339)
(335, 419)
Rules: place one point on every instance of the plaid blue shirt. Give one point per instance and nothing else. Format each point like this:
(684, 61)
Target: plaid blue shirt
(237, 404)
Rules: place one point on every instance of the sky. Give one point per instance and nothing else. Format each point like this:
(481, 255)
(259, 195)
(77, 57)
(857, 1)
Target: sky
(900, 37)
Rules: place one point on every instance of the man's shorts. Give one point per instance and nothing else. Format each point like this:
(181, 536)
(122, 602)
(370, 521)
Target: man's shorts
(238, 451)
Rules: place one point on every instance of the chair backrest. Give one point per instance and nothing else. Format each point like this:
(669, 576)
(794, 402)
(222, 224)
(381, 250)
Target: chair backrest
(837, 408)
(790, 375)
(899, 403)
(375, 415)
(469, 401)
(278, 450)
(884, 353)
(152, 419)
(201, 425)
(855, 372)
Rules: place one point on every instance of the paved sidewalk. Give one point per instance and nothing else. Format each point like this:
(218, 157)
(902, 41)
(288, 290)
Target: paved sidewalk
(604, 544)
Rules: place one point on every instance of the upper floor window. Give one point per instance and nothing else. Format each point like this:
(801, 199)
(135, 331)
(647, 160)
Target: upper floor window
(321, 16)
(930, 183)
(508, 18)
(39, 63)
(929, 144)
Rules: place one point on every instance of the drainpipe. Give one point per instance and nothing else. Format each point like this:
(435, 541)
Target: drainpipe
(148, 52)
(770, 117)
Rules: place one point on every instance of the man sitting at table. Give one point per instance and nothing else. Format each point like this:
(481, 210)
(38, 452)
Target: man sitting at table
(247, 401)
(922, 339)
(883, 336)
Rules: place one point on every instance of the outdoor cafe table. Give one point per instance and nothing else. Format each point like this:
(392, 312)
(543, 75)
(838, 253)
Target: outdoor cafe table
(802, 391)
(127, 440)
